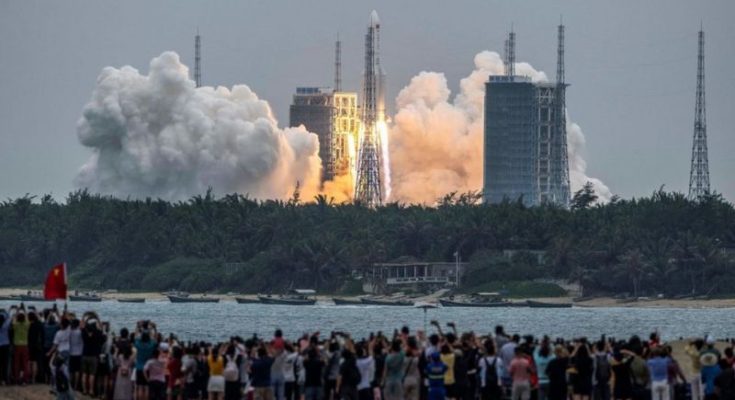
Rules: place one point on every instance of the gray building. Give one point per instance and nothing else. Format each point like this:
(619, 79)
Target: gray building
(313, 108)
(525, 149)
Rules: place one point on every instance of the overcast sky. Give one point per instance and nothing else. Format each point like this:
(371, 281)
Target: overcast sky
(631, 66)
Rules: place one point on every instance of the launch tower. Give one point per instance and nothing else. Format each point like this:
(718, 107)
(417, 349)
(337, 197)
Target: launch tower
(699, 173)
(369, 188)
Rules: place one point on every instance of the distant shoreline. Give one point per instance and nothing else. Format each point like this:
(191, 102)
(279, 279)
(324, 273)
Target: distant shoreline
(597, 302)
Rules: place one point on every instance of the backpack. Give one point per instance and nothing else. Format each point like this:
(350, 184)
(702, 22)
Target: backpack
(125, 368)
(491, 373)
(231, 373)
(351, 375)
(602, 370)
(62, 381)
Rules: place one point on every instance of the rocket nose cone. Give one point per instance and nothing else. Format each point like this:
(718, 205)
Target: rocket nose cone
(374, 20)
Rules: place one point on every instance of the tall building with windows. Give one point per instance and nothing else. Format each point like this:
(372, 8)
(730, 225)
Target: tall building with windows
(333, 117)
(525, 149)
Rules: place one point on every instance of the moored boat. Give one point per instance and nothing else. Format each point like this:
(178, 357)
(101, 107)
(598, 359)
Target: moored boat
(203, 299)
(480, 299)
(85, 298)
(246, 300)
(451, 303)
(32, 297)
(385, 302)
(132, 300)
(541, 304)
(296, 297)
(339, 301)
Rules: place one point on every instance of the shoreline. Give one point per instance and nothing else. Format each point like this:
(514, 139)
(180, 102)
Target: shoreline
(597, 302)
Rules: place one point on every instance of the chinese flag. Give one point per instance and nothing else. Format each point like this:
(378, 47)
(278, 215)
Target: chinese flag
(55, 287)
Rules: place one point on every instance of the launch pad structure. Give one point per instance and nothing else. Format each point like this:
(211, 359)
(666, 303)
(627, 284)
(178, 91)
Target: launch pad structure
(369, 183)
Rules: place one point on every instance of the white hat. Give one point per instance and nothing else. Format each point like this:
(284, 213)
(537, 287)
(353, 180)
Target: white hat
(163, 347)
(710, 339)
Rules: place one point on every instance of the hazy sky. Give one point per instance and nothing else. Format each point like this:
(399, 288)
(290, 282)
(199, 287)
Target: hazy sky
(631, 65)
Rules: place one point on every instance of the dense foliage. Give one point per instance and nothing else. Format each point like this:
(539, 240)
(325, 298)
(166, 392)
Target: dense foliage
(660, 244)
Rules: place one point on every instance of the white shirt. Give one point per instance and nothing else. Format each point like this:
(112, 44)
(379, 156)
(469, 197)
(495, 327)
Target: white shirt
(76, 343)
(367, 371)
(289, 367)
(62, 341)
(507, 352)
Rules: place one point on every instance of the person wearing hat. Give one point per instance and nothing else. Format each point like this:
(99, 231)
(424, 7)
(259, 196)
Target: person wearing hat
(709, 359)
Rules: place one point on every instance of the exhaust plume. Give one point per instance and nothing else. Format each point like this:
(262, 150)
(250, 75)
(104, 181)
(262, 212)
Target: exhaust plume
(158, 136)
(437, 143)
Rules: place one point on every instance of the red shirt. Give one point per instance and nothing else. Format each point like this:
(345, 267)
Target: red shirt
(278, 343)
(174, 372)
(520, 370)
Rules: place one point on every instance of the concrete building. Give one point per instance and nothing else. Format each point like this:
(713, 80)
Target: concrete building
(389, 277)
(333, 117)
(525, 149)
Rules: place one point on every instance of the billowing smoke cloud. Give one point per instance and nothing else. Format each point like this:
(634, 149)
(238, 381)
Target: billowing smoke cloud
(159, 136)
(436, 143)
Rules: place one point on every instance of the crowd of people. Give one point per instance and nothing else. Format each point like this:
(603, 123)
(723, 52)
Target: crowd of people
(74, 354)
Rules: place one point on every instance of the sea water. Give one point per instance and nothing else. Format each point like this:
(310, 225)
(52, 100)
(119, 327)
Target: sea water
(219, 321)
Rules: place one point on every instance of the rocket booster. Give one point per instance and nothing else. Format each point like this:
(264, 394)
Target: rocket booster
(374, 75)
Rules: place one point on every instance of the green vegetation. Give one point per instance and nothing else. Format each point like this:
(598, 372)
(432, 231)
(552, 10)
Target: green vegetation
(659, 244)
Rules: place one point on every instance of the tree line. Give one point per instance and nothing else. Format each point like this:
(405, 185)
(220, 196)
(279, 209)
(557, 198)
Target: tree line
(661, 244)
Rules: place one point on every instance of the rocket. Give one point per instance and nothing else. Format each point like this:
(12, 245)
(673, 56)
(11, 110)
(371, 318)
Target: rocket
(374, 76)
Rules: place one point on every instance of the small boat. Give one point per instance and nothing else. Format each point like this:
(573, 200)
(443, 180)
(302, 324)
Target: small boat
(132, 300)
(480, 299)
(540, 304)
(246, 300)
(338, 301)
(203, 299)
(297, 297)
(385, 302)
(450, 303)
(85, 298)
(32, 297)
(9, 298)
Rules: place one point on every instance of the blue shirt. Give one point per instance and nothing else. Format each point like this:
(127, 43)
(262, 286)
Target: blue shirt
(5, 330)
(709, 373)
(659, 368)
(435, 372)
(49, 331)
(145, 352)
(541, 364)
(260, 372)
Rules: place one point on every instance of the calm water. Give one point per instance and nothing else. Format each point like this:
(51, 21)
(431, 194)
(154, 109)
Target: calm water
(215, 321)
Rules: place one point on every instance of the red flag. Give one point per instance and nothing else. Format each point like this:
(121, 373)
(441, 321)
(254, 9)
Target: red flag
(55, 287)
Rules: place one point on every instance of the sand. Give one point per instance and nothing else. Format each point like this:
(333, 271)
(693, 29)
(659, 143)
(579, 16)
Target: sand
(31, 392)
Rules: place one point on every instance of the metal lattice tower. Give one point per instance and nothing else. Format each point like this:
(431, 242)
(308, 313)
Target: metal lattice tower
(338, 65)
(510, 54)
(368, 184)
(198, 60)
(560, 178)
(699, 173)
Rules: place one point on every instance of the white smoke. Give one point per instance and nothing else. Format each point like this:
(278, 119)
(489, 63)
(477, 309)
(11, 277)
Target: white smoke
(437, 144)
(157, 135)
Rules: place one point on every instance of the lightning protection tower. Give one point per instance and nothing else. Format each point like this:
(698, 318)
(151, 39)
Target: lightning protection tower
(699, 173)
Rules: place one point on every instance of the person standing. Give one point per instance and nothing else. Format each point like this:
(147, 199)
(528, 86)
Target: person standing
(314, 372)
(435, 372)
(155, 374)
(556, 371)
(412, 372)
(603, 371)
(76, 350)
(260, 374)
(491, 370)
(35, 346)
(520, 374)
(93, 339)
(21, 357)
(125, 362)
(5, 322)
(542, 356)
(658, 367)
(50, 327)
(394, 372)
